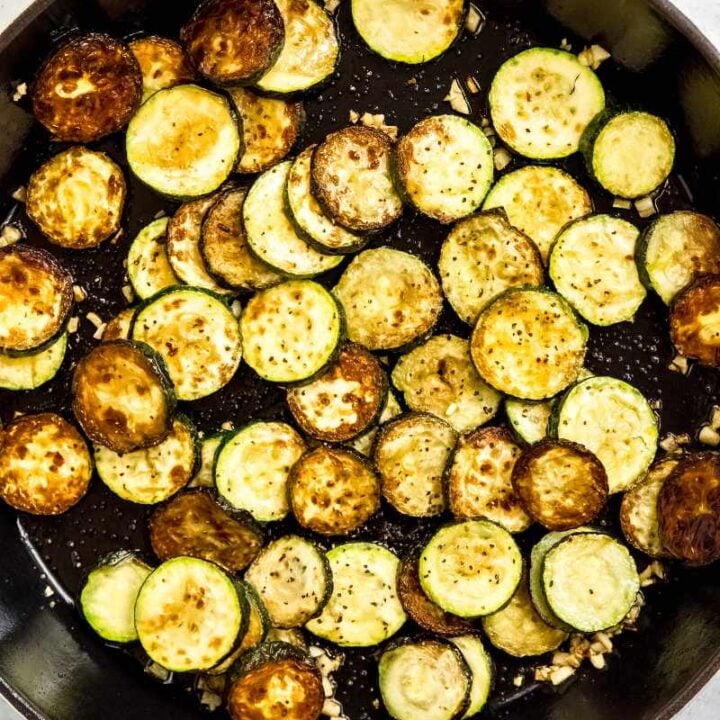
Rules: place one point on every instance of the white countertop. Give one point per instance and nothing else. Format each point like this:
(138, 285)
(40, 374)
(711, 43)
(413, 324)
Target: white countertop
(706, 15)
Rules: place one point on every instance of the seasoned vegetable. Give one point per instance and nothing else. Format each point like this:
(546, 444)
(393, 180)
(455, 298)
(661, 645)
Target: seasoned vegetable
(205, 474)
(28, 372)
(90, 87)
(163, 63)
(364, 443)
(45, 466)
(148, 267)
(481, 670)
(529, 420)
(694, 323)
(118, 328)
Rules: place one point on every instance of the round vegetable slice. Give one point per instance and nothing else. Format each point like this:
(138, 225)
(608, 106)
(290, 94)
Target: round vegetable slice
(560, 484)
(163, 63)
(333, 491)
(695, 321)
(28, 372)
(688, 509)
(364, 443)
(352, 179)
(148, 267)
(90, 87)
(45, 465)
(366, 618)
(590, 581)
(529, 420)
(35, 298)
(483, 256)
(470, 568)
(478, 479)
(390, 298)
(481, 669)
(122, 396)
(344, 400)
(411, 453)
(528, 344)
(205, 474)
(76, 198)
(119, 327)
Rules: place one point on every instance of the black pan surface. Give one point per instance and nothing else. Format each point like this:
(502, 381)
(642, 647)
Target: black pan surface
(65, 672)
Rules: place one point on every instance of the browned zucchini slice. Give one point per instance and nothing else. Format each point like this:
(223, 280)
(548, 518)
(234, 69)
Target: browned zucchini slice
(45, 465)
(479, 479)
(411, 453)
(119, 327)
(274, 681)
(90, 87)
(194, 524)
(234, 41)
(352, 178)
(76, 198)
(638, 511)
(163, 63)
(420, 607)
(35, 298)
(270, 128)
(689, 509)
(333, 491)
(345, 400)
(122, 396)
(695, 321)
(225, 249)
(561, 484)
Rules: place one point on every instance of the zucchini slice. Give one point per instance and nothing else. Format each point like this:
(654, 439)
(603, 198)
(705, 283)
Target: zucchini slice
(542, 100)
(410, 454)
(630, 154)
(560, 484)
(234, 41)
(695, 321)
(163, 63)
(271, 233)
(639, 511)
(613, 420)
(390, 298)
(119, 327)
(445, 165)
(153, 474)
(479, 479)
(194, 524)
(270, 128)
(189, 157)
(343, 401)
(420, 608)
(45, 465)
(427, 679)
(148, 267)
(77, 198)
(310, 52)
(276, 680)
(529, 420)
(184, 233)
(529, 344)
(438, 377)
(322, 232)
(408, 31)
(481, 670)
(36, 296)
(590, 581)
(688, 509)
(28, 372)
(519, 630)
(364, 443)
(88, 88)
(333, 491)
(352, 179)
(539, 200)
(470, 568)
(592, 265)
(122, 396)
(107, 599)
(291, 636)
(366, 618)
(252, 467)
(189, 615)
(196, 334)
(483, 256)
(225, 249)
(205, 475)
(293, 579)
(291, 331)
(675, 249)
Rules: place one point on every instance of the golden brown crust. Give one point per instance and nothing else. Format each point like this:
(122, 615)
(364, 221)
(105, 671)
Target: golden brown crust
(694, 323)
(119, 327)
(163, 63)
(45, 465)
(89, 88)
(234, 40)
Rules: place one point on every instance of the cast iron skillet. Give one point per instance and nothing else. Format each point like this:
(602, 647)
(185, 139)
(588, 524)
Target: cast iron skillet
(52, 666)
